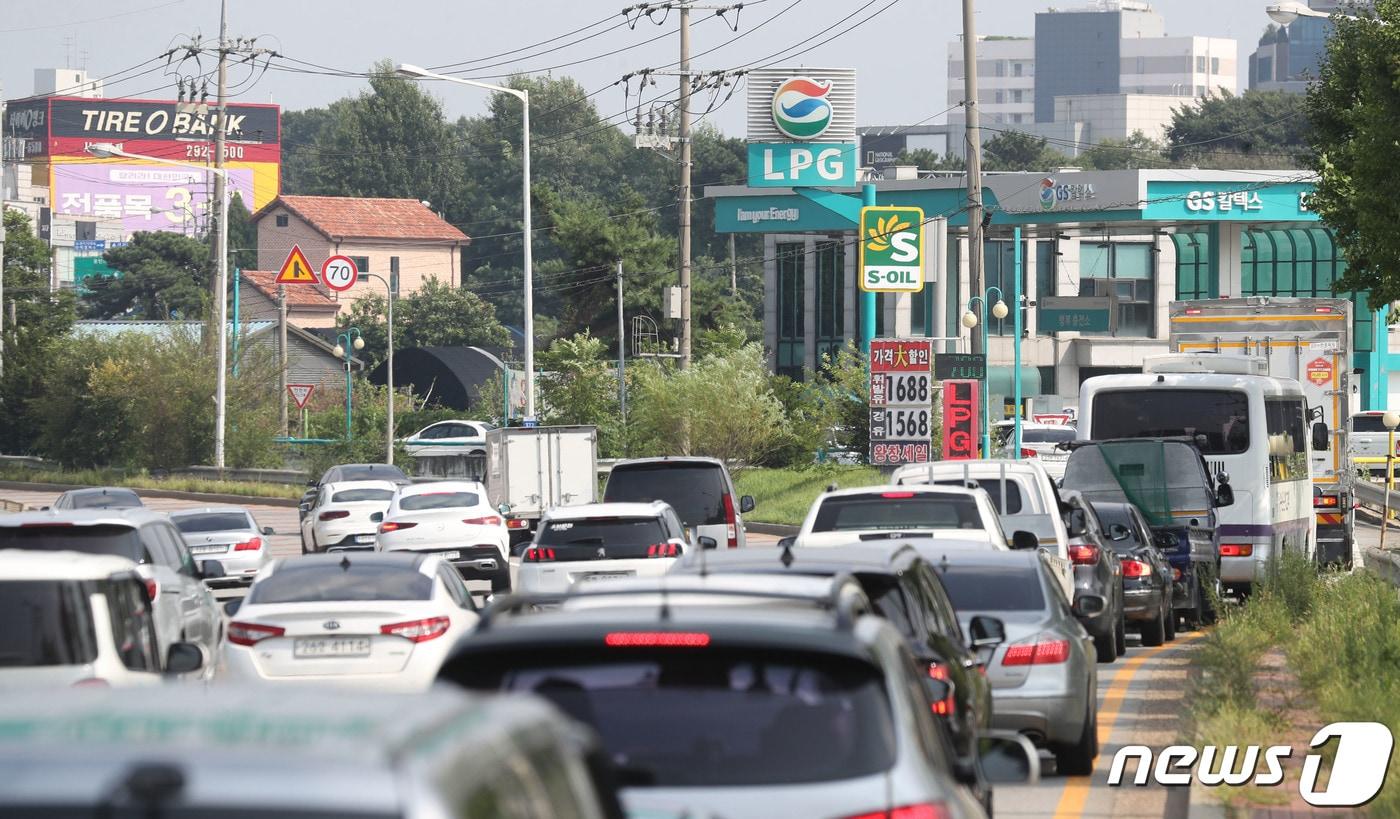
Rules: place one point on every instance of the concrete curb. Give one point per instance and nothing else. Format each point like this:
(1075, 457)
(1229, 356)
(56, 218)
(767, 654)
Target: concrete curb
(775, 529)
(207, 497)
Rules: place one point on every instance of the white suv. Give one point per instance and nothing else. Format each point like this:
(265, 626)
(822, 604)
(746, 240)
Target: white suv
(80, 619)
(601, 541)
(944, 513)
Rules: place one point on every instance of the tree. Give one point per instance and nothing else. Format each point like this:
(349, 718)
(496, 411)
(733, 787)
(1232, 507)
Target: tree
(160, 275)
(41, 319)
(1019, 151)
(1257, 129)
(1355, 138)
(300, 132)
(438, 315)
(242, 236)
(578, 385)
(1137, 151)
(929, 160)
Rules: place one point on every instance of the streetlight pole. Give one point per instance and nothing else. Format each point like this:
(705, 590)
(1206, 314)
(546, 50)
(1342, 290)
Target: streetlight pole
(106, 150)
(345, 345)
(415, 72)
(389, 425)
(971, 320)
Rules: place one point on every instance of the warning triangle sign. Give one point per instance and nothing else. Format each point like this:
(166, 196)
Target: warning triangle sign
(296, 270)
(301, 393)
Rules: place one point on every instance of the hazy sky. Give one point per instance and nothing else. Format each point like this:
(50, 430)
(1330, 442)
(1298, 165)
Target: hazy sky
(900, 53)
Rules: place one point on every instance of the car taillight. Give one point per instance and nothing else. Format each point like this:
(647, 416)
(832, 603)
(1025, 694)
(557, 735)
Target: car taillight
(517, 523)
(1084, 554)
(395, 526)
(539, 554)
(418, 631)
(92, 682)
(152, 588)
(1236, 549)
(663, 550)
(923, 810)
(247, 634)
(248, 545)
(1027, 453)
(1176, 573)
(1047, 652)
(731, 522)
(946, 706)
(665, 639)
(1330, 500)
(1136, 568)
(489, 520)
(334, 514)
(897, 495)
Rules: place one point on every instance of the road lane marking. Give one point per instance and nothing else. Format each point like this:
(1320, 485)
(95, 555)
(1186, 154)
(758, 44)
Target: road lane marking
(1076, 792)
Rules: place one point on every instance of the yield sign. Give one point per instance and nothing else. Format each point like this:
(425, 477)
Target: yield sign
(301, 393)
(296, 270)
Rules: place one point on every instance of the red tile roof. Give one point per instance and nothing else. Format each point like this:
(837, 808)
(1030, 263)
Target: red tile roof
(299, 296)
(346, 217)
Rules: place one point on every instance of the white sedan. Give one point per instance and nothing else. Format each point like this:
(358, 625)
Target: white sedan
(341, 516)
(601, 541)
(455, 437)
(453, 520)
(381, 621)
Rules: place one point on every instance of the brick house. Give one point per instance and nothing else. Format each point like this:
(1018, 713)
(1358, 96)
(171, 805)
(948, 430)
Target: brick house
(381, 235)
(307, 305)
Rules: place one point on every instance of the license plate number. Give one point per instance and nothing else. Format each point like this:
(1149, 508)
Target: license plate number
(364, 538)
(207, 550)
(336, 647)
(606, 576)
(449, 555)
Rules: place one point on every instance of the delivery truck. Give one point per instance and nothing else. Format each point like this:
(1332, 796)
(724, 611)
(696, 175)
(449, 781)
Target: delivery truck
(531, 469)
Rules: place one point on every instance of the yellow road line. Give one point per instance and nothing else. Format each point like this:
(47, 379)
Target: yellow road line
(1076, 791)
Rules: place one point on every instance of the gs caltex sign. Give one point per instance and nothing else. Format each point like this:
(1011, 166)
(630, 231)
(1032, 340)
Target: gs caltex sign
(891, 249)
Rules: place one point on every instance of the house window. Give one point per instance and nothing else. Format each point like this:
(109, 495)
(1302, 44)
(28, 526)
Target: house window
(1001, 97)
(1215, 65)
(1016, 96)
(999, 267)
(831, 298)
(1127, 270)
(282, 220)
(361, 263)
(1016, 118)
(1016, 69)
(1200, 64)
(1001, 68)
(791, 320)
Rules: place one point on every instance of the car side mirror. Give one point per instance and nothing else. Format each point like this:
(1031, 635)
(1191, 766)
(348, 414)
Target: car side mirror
(787, 542)
(377, 517)
(1076, 523)
(707, 542)
(1007, 758)
(184, 658)
(1089, 605)
(986, 631)
(1024, 540)
(268, 531)
(746, 504)
(1321, 437)
(231, 607)
(1224, 495)
(1118, 531)
(210, 570)
(44, 508)
(311, 482)
(937, 690)
(503, 509)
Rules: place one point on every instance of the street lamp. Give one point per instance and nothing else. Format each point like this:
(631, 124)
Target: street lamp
(345, 345)
(389, 424)
(415, 72)
(971, 320)
(106, 150)
(1286, 13)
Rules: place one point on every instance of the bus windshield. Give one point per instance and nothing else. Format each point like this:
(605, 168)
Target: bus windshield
(1220, 416)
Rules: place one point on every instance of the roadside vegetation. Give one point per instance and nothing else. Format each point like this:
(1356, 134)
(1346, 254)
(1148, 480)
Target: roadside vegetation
(784, 495)
(140, 479)
(1305, 651)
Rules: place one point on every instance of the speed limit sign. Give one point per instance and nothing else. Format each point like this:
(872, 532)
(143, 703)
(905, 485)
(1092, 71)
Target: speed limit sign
(339, 273)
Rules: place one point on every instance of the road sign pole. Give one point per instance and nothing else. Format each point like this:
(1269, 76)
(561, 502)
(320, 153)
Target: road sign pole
(1016, 341)
(867, 299)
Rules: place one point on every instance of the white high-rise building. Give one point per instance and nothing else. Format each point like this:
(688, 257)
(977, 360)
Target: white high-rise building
(66, 82)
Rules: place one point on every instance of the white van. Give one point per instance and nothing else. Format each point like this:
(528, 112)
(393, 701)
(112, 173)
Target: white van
(1022, 492)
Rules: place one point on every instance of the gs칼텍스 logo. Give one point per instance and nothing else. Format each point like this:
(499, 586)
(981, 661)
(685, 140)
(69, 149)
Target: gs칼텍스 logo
(1047, 193)
(801, 109)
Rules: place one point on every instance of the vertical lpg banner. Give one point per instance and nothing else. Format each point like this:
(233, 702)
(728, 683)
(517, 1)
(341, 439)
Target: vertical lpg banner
(960, 420)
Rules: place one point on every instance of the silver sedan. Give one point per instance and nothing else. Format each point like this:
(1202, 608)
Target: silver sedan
(1044, 675)
(228, 534)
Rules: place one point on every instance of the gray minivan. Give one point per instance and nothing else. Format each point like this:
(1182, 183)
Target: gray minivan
(699, 489)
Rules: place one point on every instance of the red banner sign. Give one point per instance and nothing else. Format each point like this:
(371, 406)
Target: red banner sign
(960, 420)
(900, 355)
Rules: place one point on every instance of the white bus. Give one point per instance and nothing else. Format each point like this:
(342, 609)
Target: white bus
(1253, 428)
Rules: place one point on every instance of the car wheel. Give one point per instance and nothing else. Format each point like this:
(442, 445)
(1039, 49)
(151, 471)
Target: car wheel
(1105, 645)
(1078, 759)
(1120, 634)
(1155, 632)
(303, 542)
(1169, 618)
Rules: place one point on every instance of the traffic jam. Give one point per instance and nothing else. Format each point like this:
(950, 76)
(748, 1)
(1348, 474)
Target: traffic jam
(535, 645)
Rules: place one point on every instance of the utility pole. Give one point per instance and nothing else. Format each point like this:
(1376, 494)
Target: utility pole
(221, 193)
(282, 352)
(974, 159)
(685, 184)
(621, 356)
(4, 191)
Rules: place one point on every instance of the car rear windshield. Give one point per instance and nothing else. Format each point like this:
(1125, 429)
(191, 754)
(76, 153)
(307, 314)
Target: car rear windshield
(1221, 416)
(438, 500)
(104, 500)
(702, 717)
(994, 589)
(992, 486)
(122, 541)
(1047, 436)
(1368, 423)
(359, 495)
(212, 522)
(882, 510)
(324, 582)
(46, 623)
(601, 538)
(365, 472)
(695, 491)
(1111, 513)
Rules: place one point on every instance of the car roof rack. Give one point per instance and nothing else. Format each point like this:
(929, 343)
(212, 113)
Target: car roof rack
(832, 601)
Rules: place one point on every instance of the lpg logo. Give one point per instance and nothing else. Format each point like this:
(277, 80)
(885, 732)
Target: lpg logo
(1358, 770)
(801, 109)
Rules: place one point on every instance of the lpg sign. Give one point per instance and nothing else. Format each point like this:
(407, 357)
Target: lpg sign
(960, 409)
(891, 249)
(798, 165)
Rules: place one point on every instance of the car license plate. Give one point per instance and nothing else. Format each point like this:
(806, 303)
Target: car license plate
(364, 538)
(207, 550)
(605, 576)
(449, 555)
(303, 648)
